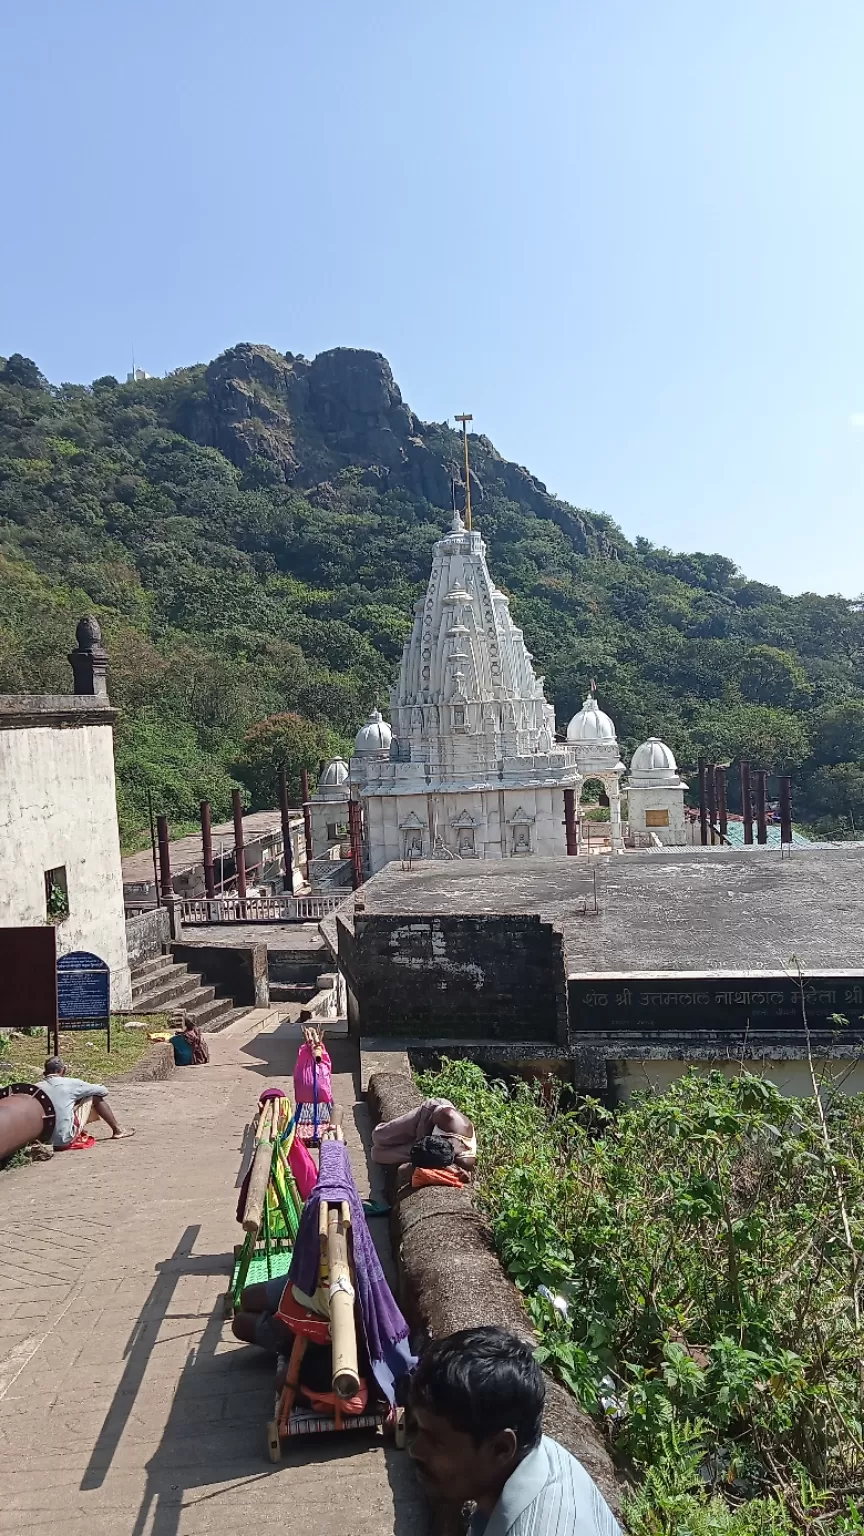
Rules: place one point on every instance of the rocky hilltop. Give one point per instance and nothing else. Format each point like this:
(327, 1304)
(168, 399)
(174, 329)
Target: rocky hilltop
(253, 534)
(344, 409)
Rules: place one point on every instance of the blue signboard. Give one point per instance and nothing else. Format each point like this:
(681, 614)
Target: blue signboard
(83, 992)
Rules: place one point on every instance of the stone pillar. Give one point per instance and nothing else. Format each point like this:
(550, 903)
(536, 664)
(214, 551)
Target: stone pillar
(613, 790)
(89, 661)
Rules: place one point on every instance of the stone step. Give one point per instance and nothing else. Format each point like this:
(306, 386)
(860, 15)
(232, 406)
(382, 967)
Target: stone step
(147, 984)
(174, 992)
(206, 1012)
(151, 967)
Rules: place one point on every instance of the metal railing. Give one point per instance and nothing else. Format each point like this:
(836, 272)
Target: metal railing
(259, 909)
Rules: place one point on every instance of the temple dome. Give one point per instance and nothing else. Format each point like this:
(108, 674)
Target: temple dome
(373, 739)
(334, 774)
(653, 757)
(591, 724)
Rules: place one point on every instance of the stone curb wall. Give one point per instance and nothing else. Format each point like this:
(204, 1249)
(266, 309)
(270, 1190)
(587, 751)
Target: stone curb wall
(452, 1279)
(154, 1066)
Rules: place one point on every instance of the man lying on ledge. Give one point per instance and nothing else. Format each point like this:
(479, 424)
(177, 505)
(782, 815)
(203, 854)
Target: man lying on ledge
(476, 1400)
(75, 1102)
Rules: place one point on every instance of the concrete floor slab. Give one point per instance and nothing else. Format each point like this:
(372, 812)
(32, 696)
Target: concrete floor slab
(125, 1401)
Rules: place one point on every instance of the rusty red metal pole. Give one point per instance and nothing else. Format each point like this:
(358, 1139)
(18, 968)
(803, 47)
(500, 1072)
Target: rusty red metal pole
(762, 806)
(287, 850)
(164, 857)
(747, 802)
(785, 808)
(570, 827)
(703, 808)
(207, 850)
(239, 849)
(307, 815)
(355, 828)
(722, 812)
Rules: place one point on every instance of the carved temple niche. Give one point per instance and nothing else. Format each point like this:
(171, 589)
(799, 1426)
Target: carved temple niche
(465, 834)
(521, 826)
(411, 831)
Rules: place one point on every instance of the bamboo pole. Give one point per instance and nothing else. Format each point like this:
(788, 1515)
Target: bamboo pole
(343, 1333)
(260, 1176)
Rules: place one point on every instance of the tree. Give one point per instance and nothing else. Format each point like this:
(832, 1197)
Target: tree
(771, 676)
(838, 735)
(767, 738)
(286, 741)
(23, 371)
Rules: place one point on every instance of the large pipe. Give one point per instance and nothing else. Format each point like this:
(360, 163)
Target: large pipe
(307, 815)
(355, 829)
(571, 830)
(762, 806)
(747, 802)
(164, 857)
(26, 1114)
(785, 808)
(711, 787)
(287, 850)
(703, 809)
(722, 811)
(207, 850)
(239, 849)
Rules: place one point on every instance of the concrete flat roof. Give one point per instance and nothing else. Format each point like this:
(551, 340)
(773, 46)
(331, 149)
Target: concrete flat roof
(186, 851)
(694, 909)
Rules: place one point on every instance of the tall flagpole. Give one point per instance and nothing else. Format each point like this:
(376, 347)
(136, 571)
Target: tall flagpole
(465, 420)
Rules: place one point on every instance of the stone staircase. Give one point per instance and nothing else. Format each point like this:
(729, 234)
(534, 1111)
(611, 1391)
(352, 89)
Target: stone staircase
(163, 984)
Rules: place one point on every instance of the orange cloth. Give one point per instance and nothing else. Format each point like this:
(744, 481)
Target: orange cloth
(452, 1177)
(325, 1402)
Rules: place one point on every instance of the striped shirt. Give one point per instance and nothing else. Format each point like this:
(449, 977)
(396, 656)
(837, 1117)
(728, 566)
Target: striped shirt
(549, 1494)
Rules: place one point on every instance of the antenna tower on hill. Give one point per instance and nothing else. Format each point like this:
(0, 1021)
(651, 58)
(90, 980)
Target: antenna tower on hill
(464, 419)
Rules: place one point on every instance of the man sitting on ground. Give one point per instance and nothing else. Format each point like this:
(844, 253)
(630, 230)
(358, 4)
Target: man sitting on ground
(75, 1102)
(477, 1403)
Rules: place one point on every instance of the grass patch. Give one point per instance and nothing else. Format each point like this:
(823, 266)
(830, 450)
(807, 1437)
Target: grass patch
(22, 1057)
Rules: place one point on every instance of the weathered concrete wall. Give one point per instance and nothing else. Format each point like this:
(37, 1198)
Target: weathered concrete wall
(791, 1077)
(58, 809)
(146, 935)
(240, 968)
(452, 1279)
(495, 978)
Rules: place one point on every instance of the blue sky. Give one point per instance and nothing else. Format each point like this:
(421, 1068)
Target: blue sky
(628, 236)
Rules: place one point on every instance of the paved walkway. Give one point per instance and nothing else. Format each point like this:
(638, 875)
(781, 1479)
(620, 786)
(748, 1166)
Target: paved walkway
(125, 1402)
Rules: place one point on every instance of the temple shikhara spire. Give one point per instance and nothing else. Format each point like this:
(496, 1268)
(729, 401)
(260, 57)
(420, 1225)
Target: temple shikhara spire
(469, 766)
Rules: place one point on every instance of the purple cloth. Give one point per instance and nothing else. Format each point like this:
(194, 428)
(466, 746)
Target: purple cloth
(385, 1328)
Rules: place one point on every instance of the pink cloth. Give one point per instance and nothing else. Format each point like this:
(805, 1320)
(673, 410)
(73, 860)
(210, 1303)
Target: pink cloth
(303, 1168)
(304, 1077)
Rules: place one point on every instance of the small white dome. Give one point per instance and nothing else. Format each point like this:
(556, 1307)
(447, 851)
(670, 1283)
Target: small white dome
(334, 774)
(591, 724)
(373, 739)
(653, 757)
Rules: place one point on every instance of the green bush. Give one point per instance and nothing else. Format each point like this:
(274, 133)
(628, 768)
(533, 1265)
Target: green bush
(708, 1243)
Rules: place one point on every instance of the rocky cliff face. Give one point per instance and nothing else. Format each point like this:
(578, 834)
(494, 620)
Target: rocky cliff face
(313, 419)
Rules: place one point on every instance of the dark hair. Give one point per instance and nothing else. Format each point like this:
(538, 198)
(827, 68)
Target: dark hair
(481, 1381)
(54, 1066)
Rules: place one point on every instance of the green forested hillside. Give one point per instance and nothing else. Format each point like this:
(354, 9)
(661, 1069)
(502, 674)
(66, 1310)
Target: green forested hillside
(252, 535)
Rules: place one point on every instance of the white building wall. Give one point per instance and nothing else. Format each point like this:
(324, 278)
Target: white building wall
(658, 797)
(58, 808)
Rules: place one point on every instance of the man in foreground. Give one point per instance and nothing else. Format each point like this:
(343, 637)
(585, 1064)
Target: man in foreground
(75, 1102)
(477, 1404)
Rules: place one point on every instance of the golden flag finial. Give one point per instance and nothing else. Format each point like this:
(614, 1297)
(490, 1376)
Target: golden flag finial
(465, 418)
